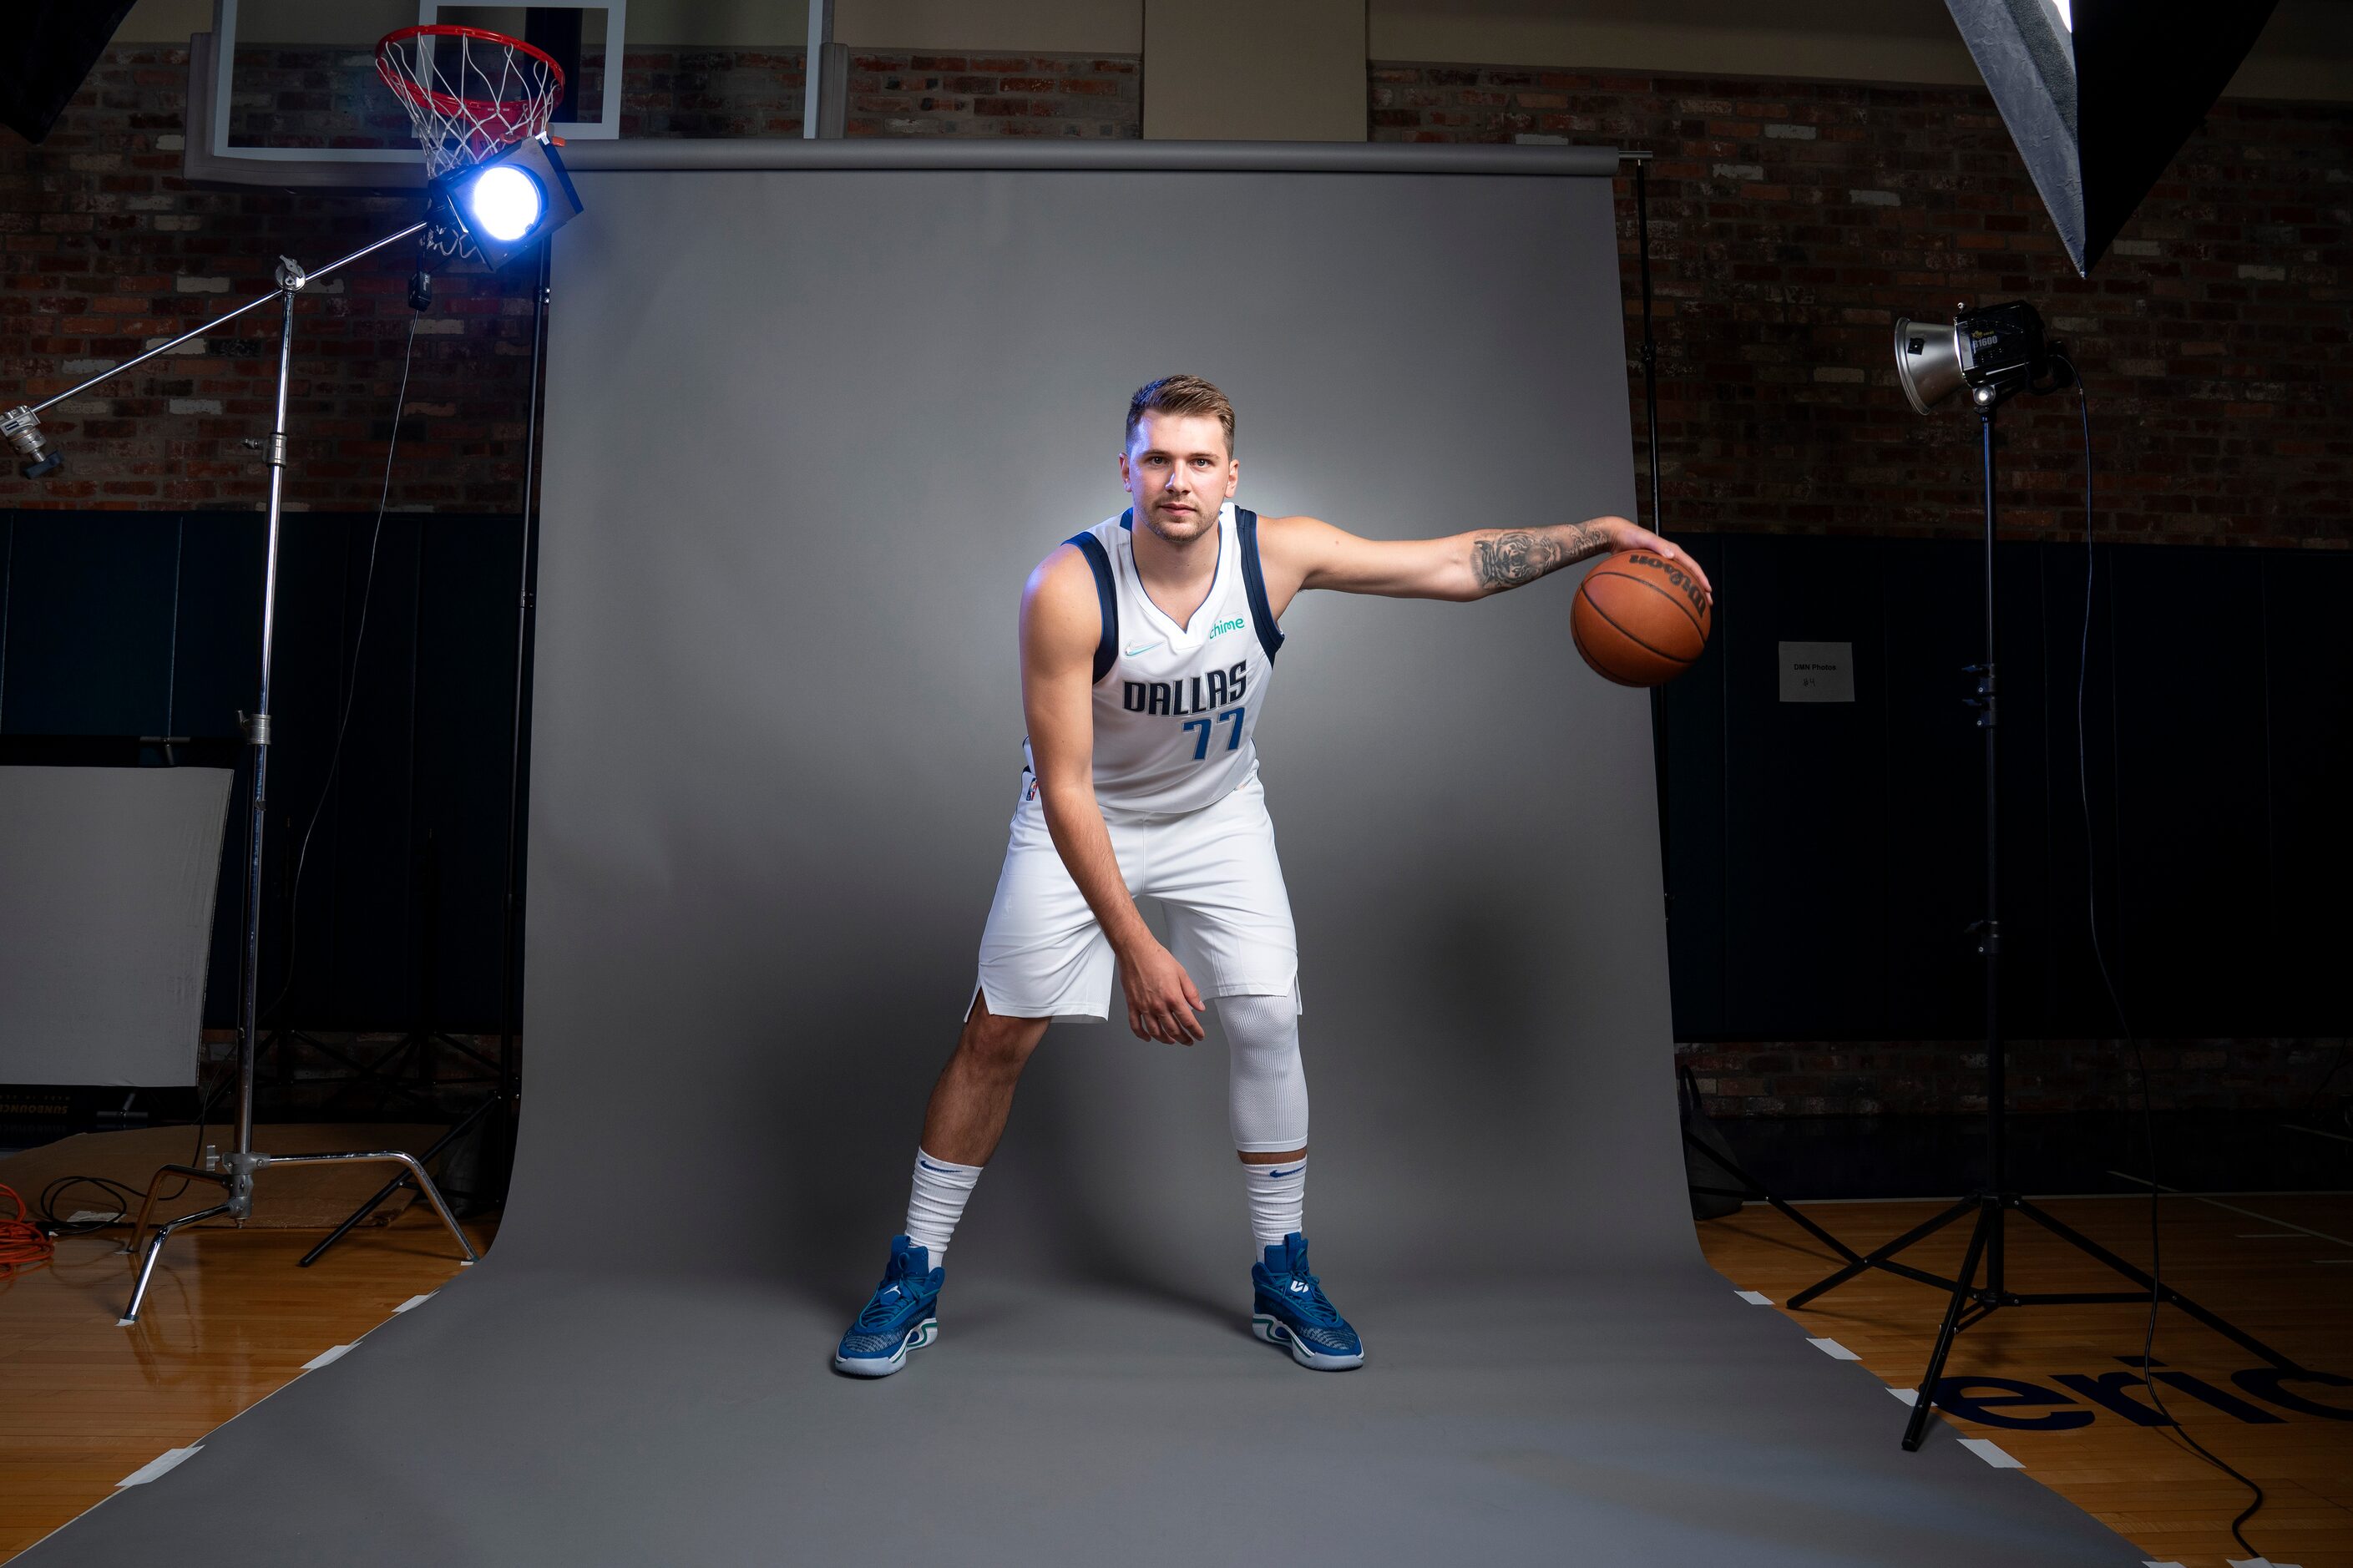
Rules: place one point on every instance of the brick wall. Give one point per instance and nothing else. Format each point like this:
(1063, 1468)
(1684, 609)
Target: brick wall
(105, 250)
(1792, 222)
(1790, 225)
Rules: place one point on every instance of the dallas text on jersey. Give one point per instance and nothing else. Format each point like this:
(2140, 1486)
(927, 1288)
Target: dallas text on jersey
(1214, 691)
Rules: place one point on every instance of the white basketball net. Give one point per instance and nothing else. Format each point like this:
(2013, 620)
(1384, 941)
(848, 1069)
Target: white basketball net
(467, 95)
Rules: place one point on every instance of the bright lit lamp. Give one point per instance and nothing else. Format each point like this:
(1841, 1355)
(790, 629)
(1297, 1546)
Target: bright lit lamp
(503, 204)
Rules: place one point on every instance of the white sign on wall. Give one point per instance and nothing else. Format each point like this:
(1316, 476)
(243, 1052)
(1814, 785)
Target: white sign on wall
(1818, 672)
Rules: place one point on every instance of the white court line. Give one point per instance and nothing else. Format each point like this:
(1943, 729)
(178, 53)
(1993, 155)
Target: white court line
(416, 1301)
(2267, 1218)
(169, 1459)
(1833, 1350)
(1908, 1395)
(1755, 1298)
(323, 1357)
(1990, 1453)
(2255, 1562)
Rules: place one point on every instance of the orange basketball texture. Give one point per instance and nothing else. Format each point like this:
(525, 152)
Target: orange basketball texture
(1640, 619)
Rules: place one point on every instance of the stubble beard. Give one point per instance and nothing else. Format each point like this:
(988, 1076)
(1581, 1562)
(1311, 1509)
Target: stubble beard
(1182, 529)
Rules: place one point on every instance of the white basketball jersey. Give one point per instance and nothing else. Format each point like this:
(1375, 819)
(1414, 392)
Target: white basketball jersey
(1174, 705)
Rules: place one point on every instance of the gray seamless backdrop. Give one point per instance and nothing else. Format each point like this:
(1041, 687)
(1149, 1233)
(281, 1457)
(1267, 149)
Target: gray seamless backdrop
(808, 430)
(795, 482)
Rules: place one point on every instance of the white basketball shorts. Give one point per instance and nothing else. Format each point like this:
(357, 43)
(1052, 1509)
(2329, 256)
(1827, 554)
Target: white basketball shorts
(1214, 870)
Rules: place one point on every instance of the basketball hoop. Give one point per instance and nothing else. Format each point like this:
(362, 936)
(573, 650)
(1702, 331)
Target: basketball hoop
(501, 90)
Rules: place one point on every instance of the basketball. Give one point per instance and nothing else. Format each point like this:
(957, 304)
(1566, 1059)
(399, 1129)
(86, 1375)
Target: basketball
(1640, 619)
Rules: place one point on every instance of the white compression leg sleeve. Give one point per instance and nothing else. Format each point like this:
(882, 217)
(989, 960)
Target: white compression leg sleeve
(937, 1202)
(1267, 1086)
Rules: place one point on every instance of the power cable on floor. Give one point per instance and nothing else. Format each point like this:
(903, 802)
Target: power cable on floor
(23, 1244)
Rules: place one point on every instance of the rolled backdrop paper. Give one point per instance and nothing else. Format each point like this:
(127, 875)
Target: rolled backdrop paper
(808, 435)
(808, 430)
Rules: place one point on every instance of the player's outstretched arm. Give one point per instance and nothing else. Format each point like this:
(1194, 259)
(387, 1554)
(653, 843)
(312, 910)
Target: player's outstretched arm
(1308, 553)
(1062, 620)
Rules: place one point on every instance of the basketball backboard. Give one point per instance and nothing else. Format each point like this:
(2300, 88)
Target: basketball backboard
(285, 93)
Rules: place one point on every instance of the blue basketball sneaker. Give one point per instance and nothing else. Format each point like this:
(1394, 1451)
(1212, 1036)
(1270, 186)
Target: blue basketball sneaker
(1291, 1311)
(902, 1316)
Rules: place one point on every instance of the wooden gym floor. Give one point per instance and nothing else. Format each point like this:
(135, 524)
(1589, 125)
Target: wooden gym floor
(231, 1320)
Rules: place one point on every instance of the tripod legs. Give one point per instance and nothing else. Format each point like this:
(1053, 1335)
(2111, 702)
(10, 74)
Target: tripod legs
(1970, 1302)
(1880, 1256)
(400, 1181)
(1750, 1188)
(238, 1180)
(1964, 1291)
(2165, 1293)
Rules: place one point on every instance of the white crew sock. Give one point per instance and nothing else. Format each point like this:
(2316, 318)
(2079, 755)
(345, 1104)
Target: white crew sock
(1278, 1201)
(937, 1202)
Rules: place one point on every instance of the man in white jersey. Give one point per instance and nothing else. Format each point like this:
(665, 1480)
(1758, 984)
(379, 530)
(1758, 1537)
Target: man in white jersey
(1148, 651)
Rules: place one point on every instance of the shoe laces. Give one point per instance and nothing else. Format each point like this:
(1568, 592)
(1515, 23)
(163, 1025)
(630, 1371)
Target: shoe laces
(888, 1298)
(1312, 1303)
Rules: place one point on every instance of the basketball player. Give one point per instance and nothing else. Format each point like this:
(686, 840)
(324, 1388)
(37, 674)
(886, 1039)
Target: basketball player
(1148, 649)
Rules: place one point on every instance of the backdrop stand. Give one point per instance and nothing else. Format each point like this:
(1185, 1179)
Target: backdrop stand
(499, 1137)
(1750, 1189)
(1970, 1302)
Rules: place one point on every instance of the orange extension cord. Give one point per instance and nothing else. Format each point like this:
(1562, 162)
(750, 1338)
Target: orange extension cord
(23, 1244)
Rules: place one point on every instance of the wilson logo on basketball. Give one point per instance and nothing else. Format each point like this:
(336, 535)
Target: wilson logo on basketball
(1674, 574)
(1639, 619)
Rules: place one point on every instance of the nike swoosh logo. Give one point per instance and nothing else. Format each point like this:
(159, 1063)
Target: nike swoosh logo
(1143, 647)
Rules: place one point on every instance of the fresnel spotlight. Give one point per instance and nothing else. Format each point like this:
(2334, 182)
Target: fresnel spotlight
(502, 206)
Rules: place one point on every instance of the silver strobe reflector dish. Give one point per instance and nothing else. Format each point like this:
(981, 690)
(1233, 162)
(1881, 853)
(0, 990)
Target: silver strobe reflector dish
(1928, 362)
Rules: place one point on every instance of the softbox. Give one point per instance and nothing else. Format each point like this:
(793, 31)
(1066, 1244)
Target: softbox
(2099, 102)
(56, 42)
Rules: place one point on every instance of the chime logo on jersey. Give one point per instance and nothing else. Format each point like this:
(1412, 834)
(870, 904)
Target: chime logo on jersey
(1222, 627)
(1201, 694)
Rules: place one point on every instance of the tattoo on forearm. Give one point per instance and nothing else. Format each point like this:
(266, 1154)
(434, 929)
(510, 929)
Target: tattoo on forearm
(1517, 556)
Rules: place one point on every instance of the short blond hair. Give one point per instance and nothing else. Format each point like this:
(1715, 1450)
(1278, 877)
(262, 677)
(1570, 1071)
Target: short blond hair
(1180, 394)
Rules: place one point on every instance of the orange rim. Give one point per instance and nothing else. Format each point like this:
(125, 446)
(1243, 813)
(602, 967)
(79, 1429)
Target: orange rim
(511, 115)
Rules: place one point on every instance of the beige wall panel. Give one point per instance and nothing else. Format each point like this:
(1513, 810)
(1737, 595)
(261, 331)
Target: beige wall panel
(1295, 64)
(1027, 26)
(164, 22)
(1022, 27)
(2306, 51)
(1250, 70)
(1662, 38)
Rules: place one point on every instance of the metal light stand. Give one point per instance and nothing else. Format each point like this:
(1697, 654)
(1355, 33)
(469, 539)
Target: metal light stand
(243, 1161)
(1972, 1301)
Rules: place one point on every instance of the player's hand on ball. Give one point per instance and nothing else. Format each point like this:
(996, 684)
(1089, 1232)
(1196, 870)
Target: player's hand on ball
(1161, 1003)
(1625, 535)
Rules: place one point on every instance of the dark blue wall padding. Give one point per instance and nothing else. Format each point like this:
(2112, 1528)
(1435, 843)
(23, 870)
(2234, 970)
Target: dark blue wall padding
(148, 624)
(1825, 860)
